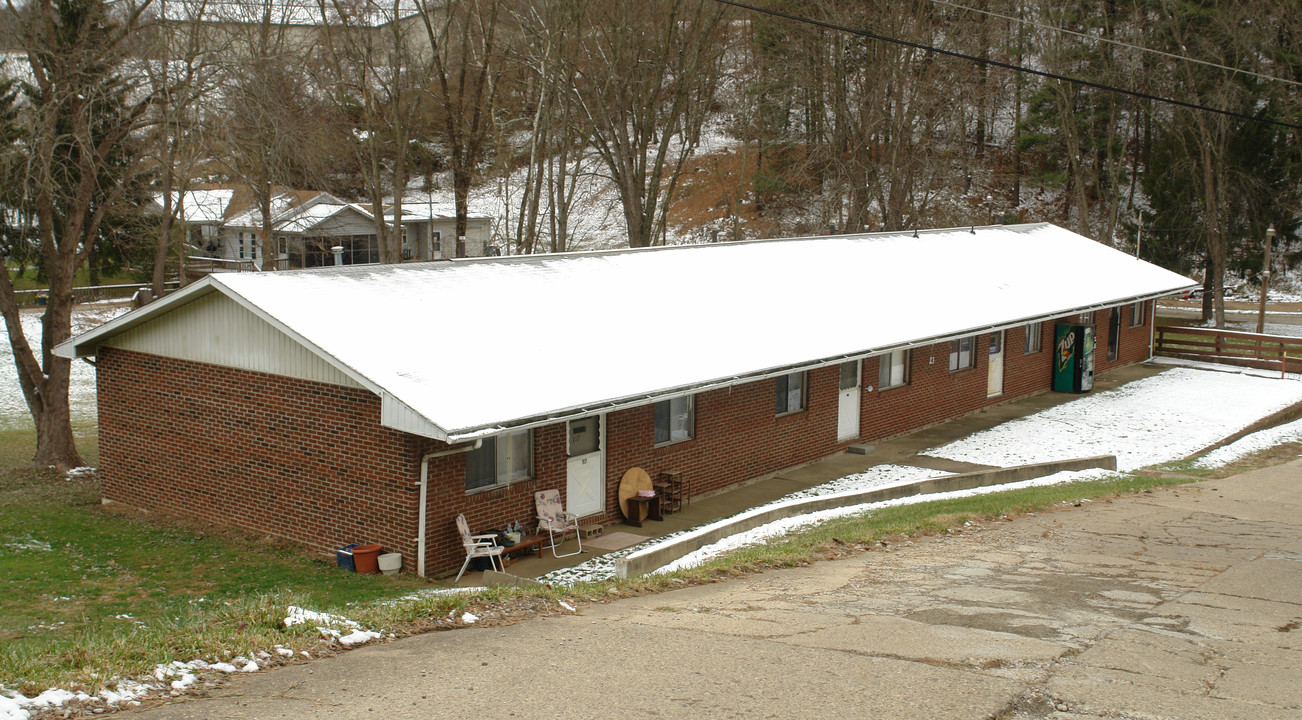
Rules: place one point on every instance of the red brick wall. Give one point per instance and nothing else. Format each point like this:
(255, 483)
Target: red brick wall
(310, 462)
(738, 436)
(295, 459)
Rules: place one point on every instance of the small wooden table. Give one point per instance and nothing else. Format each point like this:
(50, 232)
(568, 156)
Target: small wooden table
(642, 508)
(531, 541)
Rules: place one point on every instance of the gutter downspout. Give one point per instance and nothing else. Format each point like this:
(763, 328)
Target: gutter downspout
(1152, 328)
(424, 493)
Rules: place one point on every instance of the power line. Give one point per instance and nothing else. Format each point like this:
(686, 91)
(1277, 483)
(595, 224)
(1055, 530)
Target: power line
(1006, 65)
(1118, 43)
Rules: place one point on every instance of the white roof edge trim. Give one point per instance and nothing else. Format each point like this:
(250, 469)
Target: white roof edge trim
(614, 404)
(76, 347)
(393, 412)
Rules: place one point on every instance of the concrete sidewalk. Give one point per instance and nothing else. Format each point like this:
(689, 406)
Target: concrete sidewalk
(1183, 603)
(902, 450)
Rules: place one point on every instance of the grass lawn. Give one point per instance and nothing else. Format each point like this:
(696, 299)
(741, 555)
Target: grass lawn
(88, 595)
(84, 590)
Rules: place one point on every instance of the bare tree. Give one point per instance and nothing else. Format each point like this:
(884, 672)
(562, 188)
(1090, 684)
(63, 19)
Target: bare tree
(180, 71)
(272, 130)
(1231, 39)
(557, 131)
(79, 111)
(375, 68)
(646, 80)
(466, 59)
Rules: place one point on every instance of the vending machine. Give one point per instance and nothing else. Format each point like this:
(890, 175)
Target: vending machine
(1073, 358)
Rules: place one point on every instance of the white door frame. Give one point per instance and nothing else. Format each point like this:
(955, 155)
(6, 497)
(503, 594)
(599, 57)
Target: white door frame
(589, 468)
(995, 373)
(847, 416)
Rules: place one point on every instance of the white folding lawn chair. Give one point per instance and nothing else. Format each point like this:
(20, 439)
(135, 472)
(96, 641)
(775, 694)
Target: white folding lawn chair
(553, 518)
(478, 546)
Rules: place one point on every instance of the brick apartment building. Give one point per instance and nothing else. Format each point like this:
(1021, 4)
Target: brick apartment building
(324, 406)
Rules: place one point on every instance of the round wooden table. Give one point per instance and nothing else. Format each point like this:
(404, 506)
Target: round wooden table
(634, 480)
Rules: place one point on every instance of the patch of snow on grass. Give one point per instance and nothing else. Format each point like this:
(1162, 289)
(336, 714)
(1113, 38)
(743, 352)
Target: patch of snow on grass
(602, 567)
(1158, 419)
(330, 626)
(11, 710)
(1250, 444)
(28, 543)
(778, 528)
(357, 637)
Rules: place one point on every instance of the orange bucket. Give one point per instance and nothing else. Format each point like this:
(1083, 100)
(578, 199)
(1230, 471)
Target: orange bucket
(366, 558)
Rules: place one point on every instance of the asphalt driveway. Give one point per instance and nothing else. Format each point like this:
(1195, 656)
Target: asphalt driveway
(1183, 603)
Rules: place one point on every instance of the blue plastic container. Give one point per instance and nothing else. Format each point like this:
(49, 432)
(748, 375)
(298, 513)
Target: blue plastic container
(344, 557)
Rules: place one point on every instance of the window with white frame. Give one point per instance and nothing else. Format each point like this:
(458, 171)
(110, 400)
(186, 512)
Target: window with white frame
(500, 460)
(675, 420)
(791, 393)
(893, 369)
(1086, 318)
(1034, 331)
(961, 356)
(1136, 314)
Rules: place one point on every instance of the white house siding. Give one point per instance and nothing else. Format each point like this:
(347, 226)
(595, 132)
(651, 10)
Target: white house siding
(217, 330)
(398, 415)
(476, 237)
(346, 222)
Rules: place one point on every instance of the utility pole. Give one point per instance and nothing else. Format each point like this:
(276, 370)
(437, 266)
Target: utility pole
(1265, 280)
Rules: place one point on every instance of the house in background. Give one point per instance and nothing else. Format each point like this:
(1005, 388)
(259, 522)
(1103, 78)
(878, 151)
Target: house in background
(203, 212)
(430, 232)
(302, 404)
(222, 226)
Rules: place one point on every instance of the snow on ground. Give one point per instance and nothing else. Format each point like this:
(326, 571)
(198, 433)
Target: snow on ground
(1158, 419)
(332, 627)
(177, 675)
(602, 567)
(778, 528)
(1250, 444)
(13, 408)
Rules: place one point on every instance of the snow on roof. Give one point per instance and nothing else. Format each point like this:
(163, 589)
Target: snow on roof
(201, 206)
(415, 211)
(537, 338)
(313, 215)
(294, 211)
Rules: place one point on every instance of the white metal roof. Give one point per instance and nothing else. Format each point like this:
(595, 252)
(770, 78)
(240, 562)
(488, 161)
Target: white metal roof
(471, 347)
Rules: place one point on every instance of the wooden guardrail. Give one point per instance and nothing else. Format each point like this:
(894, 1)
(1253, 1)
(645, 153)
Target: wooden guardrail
(198, 266)
(88, 294)
(1267, 352)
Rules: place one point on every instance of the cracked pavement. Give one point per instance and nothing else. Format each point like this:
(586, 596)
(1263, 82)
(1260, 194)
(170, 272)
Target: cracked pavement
(1183, 603)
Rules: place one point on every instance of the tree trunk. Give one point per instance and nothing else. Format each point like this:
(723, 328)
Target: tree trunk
(55, 444)
(163, 244)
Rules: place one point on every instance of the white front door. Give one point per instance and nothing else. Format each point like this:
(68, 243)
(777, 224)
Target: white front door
(585, 489)
(847, 422)
(995, 381)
